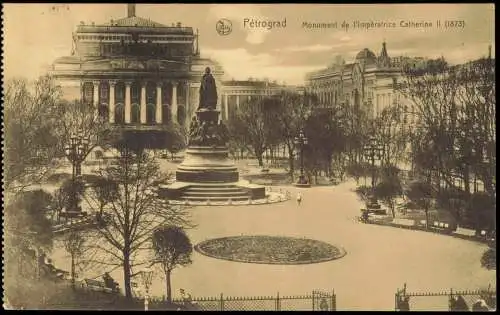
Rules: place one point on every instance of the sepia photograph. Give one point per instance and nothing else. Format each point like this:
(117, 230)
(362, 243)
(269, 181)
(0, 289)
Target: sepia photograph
(249, 157)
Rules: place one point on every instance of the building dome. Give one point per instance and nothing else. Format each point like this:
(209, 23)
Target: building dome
(367, 56)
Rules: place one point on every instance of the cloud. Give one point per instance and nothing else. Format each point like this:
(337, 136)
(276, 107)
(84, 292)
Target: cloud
(309, 48)
(240, 64)
(236, 13)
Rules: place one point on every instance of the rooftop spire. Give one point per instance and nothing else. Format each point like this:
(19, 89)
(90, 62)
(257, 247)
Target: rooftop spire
(131, 10)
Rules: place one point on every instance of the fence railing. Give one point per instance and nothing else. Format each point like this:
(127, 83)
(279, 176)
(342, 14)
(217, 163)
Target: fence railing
(317, 301)
(452, 300)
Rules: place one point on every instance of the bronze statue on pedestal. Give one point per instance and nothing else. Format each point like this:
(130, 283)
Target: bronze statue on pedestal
(208, 91)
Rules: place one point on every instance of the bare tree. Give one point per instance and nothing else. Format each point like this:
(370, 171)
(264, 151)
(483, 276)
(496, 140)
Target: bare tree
(294, 109)
(30, 141)
(254, 126)
(133, 215)
(455, 135)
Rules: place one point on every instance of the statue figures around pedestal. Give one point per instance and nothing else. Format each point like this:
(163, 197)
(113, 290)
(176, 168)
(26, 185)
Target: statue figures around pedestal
(208, 91)
(208, 133)
(223, 133)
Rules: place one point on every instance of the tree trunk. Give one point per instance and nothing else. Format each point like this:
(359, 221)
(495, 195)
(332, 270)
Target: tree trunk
(291, 166)
(169, 286)
(73, 270)
(426, 218)
(258, 154)
(126, 274)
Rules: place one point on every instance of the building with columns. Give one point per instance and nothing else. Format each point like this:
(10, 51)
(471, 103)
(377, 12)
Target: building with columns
(367, 81)
(236, 92)
(136, 72)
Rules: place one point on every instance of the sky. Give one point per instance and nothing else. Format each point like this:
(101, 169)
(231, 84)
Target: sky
(36, 34)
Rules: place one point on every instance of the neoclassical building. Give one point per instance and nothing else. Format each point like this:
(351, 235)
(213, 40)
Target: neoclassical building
(137, 72)
(235, 92)
(368, 81)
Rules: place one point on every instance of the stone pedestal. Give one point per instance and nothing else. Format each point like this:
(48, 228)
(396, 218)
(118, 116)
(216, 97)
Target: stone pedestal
(207, 173)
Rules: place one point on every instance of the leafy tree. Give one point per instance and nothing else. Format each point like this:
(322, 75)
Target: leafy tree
(67, 196)
(482, 211)
(422, 195)
(27, 231)
(74, 245)
(390, 188)
(364, 192)
(172, 248)
(135, 212)
(325, 137)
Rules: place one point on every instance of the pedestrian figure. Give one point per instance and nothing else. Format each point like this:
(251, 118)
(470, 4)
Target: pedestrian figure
(299, 198)
(480, 306)
(186, 298)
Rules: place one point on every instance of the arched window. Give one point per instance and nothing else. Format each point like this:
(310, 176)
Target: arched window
(150, 113)
(135, 115)
(119, 114)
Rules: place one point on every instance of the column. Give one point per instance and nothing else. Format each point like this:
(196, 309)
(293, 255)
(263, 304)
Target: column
(187, 118)
(127, 102)
(173, 107)
(226, 109)
(96, 98)
(111, 102)
(237, 101)
(143, 103)
(159, 108)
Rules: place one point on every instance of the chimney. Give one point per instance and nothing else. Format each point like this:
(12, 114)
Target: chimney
(131, 10)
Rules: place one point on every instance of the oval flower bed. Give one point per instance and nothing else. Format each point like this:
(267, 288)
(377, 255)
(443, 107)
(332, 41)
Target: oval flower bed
(270, 250)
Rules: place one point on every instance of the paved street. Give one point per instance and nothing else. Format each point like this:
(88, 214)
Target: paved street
(379, 259)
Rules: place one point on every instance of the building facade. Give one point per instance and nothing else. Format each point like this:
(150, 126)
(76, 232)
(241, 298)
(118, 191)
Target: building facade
(136, 72)
(368, 81)
(236, 92)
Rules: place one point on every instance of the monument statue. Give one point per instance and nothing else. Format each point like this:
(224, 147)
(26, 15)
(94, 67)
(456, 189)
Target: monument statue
(208, 91)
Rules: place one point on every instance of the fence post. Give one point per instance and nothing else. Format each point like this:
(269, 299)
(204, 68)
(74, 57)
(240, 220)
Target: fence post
(396, 299)
(313, 300)
(278, 306)
(334, 301)
(450, 300)
(221, 302)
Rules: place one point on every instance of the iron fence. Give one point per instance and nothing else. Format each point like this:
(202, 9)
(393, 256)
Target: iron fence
(317, 301)
(452, 300)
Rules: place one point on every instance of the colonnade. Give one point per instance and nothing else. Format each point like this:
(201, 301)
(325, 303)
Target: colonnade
(124, 110)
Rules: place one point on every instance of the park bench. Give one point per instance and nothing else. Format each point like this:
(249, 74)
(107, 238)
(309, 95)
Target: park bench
(403, 222)
(441, 227)
(96, 285)
(465, 232)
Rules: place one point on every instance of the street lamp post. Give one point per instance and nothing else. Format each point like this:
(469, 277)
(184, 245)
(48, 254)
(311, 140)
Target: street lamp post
(76, 152)
(301, 141)
(373, 152)
(147, 278)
